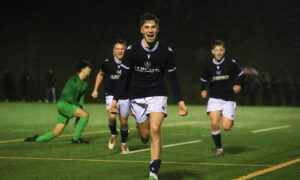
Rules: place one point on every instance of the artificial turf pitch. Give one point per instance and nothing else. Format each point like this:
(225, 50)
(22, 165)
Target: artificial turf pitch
(189, 155)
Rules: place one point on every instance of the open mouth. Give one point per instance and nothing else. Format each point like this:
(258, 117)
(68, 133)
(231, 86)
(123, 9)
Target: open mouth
(150, 36)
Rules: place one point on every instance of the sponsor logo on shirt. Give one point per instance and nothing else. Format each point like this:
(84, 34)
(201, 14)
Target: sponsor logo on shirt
(114, 76)
(147, 70)
(220, 78)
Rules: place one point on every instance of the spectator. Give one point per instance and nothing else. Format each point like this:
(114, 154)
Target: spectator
(50, 84)
(26, 82)
(9, 86)
(266, 89)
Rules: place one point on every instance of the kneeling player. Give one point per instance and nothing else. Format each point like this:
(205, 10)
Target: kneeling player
(224, 78)
(69, 105)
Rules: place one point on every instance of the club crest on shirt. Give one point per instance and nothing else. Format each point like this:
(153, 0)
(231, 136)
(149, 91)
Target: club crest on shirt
(147, 64)
(218, 73)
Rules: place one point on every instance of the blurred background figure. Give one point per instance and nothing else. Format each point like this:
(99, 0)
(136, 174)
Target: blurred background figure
(9, 86)
(297, 90)
(253, 89)
(266, 89)
(277, 87)
(26, 82)
(252, 85)
(289, 90)
(50, 85)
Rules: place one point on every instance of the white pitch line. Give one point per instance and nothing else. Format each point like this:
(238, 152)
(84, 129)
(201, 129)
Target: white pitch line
(130, 161)
(99, 132)
(271, 129)
(165, 146)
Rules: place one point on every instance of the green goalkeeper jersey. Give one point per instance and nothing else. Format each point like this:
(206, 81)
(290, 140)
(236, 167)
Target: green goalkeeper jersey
(74, 91)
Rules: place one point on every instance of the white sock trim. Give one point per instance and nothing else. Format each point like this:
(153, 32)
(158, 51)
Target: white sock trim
(215, 132)
(153, 175)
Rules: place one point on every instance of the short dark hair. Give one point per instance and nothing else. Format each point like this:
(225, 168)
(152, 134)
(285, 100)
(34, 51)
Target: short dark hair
(81, 65)
(120, 41)
(217, 43)
(148, 17)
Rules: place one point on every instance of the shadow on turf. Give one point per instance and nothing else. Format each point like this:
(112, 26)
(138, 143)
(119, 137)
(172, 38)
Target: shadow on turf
(180, 175)
(237, 149)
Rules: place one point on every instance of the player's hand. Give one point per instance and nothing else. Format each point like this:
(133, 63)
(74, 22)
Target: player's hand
(182, 109)
(236, 89)
(113, 107)
(95, 94)
(204, 94)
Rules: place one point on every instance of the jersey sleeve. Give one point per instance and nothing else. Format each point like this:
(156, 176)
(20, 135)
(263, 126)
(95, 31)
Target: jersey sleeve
(204, 79)
(171, 61)
(239, 80)
(126, 61)
(173, 80)
(81, 100)
(103, 67)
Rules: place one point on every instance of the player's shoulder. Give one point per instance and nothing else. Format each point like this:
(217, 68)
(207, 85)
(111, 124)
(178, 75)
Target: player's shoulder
(107, 61)
(132, 46)
(73, 78)
(165, 46)
(231, 60)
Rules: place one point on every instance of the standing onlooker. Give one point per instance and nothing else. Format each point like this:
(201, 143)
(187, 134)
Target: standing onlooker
(26, 82)
(9, 86)
(50, 84)
(266, 89)
(289, 90)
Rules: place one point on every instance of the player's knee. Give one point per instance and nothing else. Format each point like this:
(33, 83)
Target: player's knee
(124, 125)
(155, 129)
(86, 115)
(112, 117)
(57, 133)
(215, 126)
(145, 140)
(227, 128)
(144, 136)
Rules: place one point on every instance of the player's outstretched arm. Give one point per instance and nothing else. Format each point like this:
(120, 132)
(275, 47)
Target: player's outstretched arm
(98, 81)
(182, 109)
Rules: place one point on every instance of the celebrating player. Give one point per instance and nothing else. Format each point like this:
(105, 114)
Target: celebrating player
(143, 68)
(110, 71)
(223, 77)
(70, 105)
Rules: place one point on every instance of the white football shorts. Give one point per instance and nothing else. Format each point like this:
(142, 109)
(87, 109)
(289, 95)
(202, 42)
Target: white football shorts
(142, 107)
(123, 105)
(227, 108)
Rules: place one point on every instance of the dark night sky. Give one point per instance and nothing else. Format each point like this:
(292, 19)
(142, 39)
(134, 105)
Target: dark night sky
(38, 35)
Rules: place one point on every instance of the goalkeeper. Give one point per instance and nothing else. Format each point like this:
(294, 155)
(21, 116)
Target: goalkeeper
(69, 105)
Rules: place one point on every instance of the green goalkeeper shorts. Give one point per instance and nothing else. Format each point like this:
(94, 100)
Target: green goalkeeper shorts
(65, 111)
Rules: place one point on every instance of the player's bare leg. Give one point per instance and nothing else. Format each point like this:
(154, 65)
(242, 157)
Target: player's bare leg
(227, 123)
(58, 129)
(156, 119)
(124, 135)
(144, 131)
(113, 130)
(215, 117)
